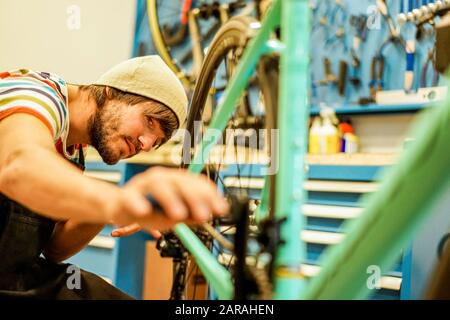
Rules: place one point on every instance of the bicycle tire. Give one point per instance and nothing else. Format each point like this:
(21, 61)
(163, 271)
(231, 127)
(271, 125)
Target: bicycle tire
(232, 36)
(160, 44)
(163, 40)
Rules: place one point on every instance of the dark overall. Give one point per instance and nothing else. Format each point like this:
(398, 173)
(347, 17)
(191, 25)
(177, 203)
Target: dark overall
(24, 273)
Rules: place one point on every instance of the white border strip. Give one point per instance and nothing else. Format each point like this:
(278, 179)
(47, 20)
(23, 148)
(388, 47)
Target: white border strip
(310, 185)
(387, 282)
(340, 186)
(321, 237)
(336, 212)
(103, 242)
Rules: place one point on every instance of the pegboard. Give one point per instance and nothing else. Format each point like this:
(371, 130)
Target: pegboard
(342, 16)
(329, 17)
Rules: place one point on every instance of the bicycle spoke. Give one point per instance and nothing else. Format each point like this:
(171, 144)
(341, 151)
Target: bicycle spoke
(218, 237)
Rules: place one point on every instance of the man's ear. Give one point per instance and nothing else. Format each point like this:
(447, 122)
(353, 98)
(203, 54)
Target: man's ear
(108, 93)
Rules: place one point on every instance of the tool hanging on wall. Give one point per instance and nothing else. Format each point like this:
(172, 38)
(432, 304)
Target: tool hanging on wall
(424, 17)
(409, 72)
(425, 70)
(321, 12)
(377, 68)
(331, 78)
(342, 77)
(425, 28)
(359, 23)
(395, 37)
(384, 11)
(376, 76)
(337, 19)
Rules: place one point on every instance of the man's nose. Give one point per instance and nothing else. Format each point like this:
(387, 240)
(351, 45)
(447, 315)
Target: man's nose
(147, 142)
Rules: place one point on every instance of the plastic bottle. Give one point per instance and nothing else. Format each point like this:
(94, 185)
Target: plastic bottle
(350, 141)
(314, 136)
(344, 127)
(329, 134)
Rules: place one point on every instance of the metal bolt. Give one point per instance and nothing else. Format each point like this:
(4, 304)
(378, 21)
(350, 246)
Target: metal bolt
(432, 7)
(425, 10)
(298, 143)
(296, 195)
(401, 19)
(417, 14)
(410, 16)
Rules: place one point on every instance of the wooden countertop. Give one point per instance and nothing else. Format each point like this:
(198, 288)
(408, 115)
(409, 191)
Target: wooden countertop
(171, 155)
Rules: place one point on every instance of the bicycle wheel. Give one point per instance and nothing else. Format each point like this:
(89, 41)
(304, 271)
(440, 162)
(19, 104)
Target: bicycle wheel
(170, 29)
(154, 8)
(255, 112)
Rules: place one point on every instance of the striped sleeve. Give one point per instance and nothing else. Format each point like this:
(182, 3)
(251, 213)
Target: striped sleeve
(35, 98)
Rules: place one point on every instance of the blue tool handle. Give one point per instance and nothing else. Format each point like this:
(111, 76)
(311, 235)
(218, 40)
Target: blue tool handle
(410, 61)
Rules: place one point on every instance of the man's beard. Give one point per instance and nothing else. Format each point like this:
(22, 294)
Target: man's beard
(100, 135)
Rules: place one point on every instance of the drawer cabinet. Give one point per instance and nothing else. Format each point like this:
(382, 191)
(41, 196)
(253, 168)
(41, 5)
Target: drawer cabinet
(119, 261)
(334, 195)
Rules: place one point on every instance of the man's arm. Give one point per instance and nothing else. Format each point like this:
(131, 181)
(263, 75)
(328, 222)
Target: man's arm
(35, 175)
(69, 237)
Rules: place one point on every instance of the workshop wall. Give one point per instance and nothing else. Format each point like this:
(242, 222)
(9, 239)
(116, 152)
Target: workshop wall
(76, 39)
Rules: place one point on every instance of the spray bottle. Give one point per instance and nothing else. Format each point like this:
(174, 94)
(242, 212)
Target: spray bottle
(329, 134)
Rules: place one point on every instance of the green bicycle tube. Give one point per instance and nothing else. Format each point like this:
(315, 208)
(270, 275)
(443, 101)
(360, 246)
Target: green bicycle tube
(216, 275)
(392, 215)
(293, 118)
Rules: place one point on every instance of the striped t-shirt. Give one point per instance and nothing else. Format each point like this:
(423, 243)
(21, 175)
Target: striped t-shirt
(41, 94)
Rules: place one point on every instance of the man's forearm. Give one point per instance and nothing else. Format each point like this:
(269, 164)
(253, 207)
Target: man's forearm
(55, 188)
(69, 238)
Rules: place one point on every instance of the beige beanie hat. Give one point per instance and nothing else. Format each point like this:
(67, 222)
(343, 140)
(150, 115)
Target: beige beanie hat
(150, 77)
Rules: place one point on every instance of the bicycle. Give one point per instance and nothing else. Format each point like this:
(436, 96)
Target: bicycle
(392, 212)
(234, 37)
(181, 30)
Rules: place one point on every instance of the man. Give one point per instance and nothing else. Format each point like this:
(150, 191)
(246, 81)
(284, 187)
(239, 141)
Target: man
(48, 207)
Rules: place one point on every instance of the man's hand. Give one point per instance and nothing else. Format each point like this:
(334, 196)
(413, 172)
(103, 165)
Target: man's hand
(132, 229)
(184, 197)
(126, 230)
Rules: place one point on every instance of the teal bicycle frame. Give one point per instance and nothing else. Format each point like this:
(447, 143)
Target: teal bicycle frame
(392, 216)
